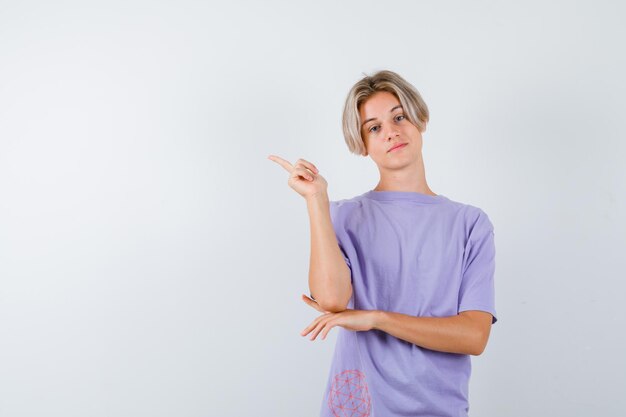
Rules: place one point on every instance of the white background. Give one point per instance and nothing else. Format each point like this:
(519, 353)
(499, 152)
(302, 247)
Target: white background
(152, 258)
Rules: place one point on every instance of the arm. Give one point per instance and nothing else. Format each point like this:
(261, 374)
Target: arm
(466, 333)
(329, 276)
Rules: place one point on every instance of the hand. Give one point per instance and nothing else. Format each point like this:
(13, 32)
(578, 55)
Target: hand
(357, 320)
(304, 177)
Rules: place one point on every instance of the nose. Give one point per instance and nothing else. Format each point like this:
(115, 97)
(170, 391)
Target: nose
(391, 132)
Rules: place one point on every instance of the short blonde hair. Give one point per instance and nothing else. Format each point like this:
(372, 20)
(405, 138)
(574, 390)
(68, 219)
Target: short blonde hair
(414, 106)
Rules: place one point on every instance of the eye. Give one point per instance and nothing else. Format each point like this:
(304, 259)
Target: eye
(398, 117)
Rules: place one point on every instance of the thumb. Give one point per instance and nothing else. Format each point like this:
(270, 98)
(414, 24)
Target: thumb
(312, 303)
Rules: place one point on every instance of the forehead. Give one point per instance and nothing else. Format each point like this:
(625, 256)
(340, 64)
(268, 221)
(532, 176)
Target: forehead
(378, 105)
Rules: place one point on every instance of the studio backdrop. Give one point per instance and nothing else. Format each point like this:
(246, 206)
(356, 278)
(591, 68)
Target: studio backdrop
(152, 259)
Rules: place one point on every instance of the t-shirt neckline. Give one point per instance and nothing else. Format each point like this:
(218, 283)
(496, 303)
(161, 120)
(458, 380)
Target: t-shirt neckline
(406, 196)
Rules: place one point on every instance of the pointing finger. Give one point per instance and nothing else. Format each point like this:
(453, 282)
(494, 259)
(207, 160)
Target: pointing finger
(285, 164)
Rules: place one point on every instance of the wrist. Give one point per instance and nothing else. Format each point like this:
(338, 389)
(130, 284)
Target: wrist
(378, 318)
(318, 198)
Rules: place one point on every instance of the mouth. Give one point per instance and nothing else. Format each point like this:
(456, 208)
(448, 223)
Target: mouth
(398, 146)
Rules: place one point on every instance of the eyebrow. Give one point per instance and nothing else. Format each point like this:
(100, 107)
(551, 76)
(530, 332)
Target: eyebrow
(399, 106)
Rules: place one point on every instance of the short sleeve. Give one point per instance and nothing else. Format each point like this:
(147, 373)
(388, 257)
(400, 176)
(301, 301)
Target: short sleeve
(477, 291)
(337, 221)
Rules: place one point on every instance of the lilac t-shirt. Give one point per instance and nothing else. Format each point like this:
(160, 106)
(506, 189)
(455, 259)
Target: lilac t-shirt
(416, 254)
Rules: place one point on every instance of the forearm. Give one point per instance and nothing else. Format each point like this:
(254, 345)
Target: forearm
(454, 334)
(329, 276)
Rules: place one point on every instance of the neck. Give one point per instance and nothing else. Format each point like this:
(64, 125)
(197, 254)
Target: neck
(408, 178)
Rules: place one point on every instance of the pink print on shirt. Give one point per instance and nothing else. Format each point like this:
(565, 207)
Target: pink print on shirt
(349, 396)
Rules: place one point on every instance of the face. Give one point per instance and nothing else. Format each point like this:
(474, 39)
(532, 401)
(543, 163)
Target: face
(384, 126)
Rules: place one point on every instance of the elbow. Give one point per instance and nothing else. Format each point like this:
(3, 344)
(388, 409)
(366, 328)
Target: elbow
(479, 347)
(332, 306)
(476, 352)
(335, 304)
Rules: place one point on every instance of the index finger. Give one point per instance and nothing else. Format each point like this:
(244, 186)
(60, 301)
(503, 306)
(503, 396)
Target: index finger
(285, 164)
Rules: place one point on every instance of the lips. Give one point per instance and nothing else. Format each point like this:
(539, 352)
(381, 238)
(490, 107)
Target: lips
(399, 145)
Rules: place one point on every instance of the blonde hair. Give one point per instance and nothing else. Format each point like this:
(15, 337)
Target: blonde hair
(414, 106)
